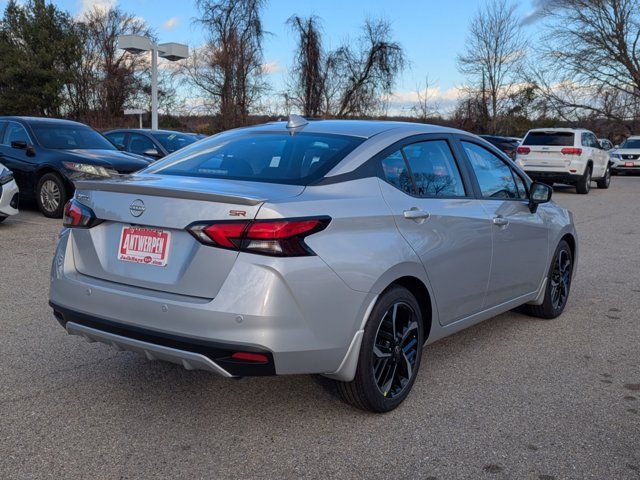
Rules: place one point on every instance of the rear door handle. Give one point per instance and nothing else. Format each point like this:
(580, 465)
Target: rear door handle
(416, 214)
(500, 221)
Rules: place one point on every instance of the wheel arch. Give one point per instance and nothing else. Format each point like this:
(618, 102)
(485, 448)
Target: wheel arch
(422, 295)
(44, 169)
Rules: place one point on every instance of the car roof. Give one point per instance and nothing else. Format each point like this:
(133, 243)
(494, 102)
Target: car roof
(353, 128)
(43, 120)
(143, 130)
(559, 129)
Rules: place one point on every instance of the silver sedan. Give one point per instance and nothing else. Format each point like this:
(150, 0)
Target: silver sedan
(333, 247)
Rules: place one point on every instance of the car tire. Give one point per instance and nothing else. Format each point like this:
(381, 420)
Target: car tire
(51, 195)
(584, 184)
(605, 181)
(558, 285)
(2, 218)
(390, 354)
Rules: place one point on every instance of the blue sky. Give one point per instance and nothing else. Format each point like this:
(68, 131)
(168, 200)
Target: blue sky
(431, 32)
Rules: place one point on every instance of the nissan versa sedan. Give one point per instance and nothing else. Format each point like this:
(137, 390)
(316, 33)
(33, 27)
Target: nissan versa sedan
(331, 247)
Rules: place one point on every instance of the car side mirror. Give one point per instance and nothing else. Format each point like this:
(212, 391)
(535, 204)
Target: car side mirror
(119, 146)
(538, 193)
(23, 145)
(152, 152)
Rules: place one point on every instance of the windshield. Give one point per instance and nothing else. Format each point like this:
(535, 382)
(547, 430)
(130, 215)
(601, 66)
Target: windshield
(559, 139)
(631, 143)
(174, 141)
(69, 137)
(297, 159)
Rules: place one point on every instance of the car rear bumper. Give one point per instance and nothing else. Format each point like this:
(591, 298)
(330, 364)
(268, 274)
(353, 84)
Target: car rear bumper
(557, 177)
(267, 305)
(9, 199)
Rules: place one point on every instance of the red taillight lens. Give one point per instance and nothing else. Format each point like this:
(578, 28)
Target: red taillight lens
(77, 215)
(283, 238)
(523, 150)
(250, 357)
(571, 151)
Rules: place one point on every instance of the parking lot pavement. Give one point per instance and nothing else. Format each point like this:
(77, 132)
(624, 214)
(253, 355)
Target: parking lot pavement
(514, 397)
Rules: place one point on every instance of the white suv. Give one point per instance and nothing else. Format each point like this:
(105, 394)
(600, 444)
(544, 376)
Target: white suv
(626, 157)
(564, 155)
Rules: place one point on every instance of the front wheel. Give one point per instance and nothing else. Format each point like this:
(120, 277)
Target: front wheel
(51, 195)
(558, 286)
(605, 181)
(389, 355)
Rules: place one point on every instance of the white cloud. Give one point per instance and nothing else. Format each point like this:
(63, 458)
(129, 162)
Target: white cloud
(100, 5)
(271, 66)
(171, 23)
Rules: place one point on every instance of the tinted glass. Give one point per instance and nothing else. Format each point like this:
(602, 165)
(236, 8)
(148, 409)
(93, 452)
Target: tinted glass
(522, 190)
(494, 176)
(434, 169)
(139, 144)
(631, 143)
(15, 132)
(174, 141)
(69, 137)
(116, 138)
(396, 172)
(269, 157)
(560, 139)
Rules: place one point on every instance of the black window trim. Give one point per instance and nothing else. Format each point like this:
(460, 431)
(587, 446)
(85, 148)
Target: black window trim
(506, 160)
(399, 146)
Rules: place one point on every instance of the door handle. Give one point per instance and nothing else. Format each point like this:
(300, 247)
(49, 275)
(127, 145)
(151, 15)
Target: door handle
(416, 214)
(500, 221)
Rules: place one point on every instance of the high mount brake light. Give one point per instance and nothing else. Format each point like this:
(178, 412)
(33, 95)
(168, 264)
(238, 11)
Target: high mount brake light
(523, 150)
(281, 238)
(571, 151)
(77, 215)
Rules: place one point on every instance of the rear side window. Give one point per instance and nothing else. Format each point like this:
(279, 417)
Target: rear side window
(297, 159)
(15, 133)
(396, 172)
(116, 138)
(560, 139)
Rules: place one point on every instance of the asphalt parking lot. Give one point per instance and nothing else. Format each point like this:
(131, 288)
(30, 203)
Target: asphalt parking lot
(514, 397)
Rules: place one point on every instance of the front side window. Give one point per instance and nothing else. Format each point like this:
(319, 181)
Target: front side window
(116, 138)
(139, 144)
(15, 133)
(494, 176)
(276, 157)
(434, 169)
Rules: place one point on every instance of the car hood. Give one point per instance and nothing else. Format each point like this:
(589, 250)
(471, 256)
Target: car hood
(105, 158)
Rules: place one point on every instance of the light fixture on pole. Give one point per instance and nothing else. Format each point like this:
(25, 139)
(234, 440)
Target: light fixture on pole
(171, 51)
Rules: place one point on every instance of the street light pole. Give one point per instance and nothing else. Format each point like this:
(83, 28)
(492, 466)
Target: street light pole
(170, 51)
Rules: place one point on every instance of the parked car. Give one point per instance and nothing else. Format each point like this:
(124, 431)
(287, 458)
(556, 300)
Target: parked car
(508, 145)
(605, 144)
(626, 157)
(565, 155)
(333, 247)
(150, 143)
(44, 154)
(8, 193)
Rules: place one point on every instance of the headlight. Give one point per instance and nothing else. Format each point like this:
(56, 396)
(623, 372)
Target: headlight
(89, 169)
(5, 176)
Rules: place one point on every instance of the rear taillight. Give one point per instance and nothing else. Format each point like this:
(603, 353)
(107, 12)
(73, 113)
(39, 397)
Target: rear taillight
(571, 151)
(282, 238)
(77, 215)
(523, 150)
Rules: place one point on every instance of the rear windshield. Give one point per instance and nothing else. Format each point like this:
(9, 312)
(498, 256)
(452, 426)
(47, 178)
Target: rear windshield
(631, 143)
(297, 159)
(560, 139)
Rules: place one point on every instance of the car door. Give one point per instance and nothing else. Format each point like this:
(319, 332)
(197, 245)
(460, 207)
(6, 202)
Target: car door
(18, 160)
(520, 238)
(432, 202)
(601, 156)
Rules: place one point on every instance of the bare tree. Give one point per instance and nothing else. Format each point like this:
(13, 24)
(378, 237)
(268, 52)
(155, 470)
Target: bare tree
(589, 62)
(106, 78)
(495, 49)
(229, 70)
(425, 107)
(309, 69)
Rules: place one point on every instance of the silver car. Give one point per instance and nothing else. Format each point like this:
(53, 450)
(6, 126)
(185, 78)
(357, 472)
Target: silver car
(331, 247)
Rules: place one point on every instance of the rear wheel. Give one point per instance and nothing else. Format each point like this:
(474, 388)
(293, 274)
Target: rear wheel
(584, 184)
(390, 354)
(51, 195)
(558, 286)
(605, 181)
